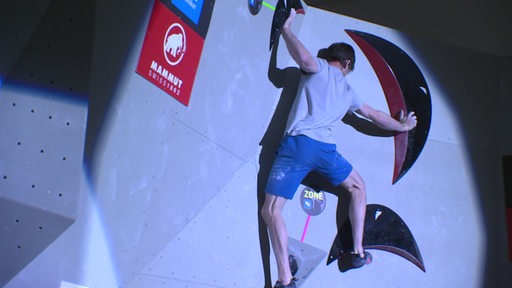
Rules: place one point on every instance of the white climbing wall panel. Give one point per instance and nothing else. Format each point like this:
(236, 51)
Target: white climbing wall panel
(43, 113)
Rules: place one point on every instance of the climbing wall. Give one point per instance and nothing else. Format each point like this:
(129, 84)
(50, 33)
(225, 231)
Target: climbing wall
(169, 195)
(43, 110)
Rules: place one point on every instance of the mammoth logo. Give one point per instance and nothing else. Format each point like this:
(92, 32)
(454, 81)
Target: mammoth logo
(175, 44)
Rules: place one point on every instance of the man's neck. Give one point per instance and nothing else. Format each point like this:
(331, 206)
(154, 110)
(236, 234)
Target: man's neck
(337, 64)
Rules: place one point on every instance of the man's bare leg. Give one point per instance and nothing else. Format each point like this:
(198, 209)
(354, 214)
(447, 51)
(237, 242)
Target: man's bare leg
(354, 184)
(272, 214)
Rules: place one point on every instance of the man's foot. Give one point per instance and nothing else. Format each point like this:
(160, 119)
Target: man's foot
(358, 261)
(292, 284)
(349, 261)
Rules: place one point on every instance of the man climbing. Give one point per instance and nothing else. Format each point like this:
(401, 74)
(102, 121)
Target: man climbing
(323, 98)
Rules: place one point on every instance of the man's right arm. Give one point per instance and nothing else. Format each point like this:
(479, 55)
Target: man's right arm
(299, 53)
(384, 121)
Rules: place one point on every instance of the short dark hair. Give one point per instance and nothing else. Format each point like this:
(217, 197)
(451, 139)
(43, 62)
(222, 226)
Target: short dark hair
(339, 52)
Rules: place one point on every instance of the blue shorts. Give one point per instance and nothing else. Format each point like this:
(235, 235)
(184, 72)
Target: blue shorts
(299, 155)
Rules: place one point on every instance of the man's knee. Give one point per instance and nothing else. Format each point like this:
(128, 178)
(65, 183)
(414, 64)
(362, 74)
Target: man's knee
(354, 184)
(271, 210)
(270, 214)
(358, 188)
(265, 213)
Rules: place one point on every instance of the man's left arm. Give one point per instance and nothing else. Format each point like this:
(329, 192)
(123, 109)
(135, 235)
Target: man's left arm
(299, 53)
(385, 121)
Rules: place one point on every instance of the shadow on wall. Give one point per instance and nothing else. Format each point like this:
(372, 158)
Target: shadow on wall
(112, 51)
(465, 92)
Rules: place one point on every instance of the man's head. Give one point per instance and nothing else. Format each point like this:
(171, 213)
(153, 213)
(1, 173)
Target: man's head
(341, 52)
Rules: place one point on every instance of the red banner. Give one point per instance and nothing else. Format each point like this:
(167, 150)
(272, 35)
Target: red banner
(170, 54)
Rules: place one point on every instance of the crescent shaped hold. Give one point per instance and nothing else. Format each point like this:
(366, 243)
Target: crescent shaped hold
(405, 90)
(383, 230)
(281, 13)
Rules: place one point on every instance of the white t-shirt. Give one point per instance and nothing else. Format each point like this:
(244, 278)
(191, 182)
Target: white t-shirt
(322, 100)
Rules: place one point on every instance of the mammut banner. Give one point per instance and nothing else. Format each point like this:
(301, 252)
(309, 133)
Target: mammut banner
(173, 45)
